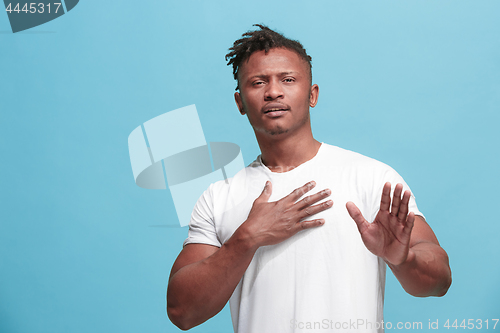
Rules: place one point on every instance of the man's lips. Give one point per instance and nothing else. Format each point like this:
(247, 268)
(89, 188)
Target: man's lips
(275, 114)
(275, 107)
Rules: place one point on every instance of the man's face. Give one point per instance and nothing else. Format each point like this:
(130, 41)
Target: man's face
(276, 92)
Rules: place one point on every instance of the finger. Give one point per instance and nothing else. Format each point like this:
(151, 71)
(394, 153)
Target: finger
(309, 224)
(385, 201)
(410, 221)
(396, 200)
(312, 199)
(356, 215)
(311, 210)
(403, 207)
(299, 192)
(266, 192)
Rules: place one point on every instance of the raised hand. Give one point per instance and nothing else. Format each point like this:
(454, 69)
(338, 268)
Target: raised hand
(388, 236)
(270, 223)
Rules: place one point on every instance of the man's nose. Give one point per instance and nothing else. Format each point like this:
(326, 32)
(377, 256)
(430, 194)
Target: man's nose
(273, 91)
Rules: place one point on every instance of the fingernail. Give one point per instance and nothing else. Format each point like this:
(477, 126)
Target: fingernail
(313, 183)
(327, 191)
(329, 203)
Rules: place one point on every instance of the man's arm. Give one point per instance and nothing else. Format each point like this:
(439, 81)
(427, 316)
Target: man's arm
(426, 271)
(406, 243)
(204, 277)
(202, 280)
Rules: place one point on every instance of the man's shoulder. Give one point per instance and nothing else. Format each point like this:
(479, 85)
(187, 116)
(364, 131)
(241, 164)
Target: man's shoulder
(222, 187)
(341, 156)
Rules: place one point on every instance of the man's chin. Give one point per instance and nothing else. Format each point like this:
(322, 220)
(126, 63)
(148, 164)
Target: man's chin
(278, 131)
(274, 132)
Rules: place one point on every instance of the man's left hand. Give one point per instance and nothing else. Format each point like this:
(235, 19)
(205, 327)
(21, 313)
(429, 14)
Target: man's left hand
(388, 236)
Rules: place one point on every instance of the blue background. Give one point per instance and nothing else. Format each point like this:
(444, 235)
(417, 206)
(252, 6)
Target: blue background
(415, 84)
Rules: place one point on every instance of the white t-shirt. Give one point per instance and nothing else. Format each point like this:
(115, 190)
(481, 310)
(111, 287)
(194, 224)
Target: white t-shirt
(321, 279)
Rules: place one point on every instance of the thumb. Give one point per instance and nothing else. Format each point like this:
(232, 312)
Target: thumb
(266, 192)
(357, 216)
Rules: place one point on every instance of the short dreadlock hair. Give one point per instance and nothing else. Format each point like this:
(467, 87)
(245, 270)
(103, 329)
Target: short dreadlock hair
(263, 39)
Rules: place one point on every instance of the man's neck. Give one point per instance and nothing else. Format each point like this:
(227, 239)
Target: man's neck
(288, 153)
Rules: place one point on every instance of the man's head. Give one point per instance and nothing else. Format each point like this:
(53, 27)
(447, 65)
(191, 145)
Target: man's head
(264, 39)
(274, 82)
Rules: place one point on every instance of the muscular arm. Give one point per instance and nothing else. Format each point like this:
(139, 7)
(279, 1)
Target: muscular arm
(426, 271)
(204, 277)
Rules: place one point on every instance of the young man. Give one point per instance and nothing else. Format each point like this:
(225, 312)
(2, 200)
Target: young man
(291, 256)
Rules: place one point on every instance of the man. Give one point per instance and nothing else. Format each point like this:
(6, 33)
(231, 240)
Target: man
(288, 256)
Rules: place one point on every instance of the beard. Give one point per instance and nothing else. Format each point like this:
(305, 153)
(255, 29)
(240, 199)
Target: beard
(281, 130)
(277, 131)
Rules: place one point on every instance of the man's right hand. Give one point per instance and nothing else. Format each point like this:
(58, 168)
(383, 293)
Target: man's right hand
(195, 292)
(269, 223)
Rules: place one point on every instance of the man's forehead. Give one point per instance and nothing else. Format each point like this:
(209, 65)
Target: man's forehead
(275, 61)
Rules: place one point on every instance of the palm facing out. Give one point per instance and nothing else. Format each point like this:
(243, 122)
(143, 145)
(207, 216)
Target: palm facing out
(388, 236)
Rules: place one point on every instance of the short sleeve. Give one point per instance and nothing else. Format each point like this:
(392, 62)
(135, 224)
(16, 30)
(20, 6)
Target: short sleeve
(202, 225)
(390, 175)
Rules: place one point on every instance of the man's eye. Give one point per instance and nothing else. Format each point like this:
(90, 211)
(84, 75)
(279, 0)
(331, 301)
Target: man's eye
(256, 83)
(288, 79)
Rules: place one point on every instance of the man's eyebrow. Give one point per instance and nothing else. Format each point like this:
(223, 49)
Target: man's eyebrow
(262, 76)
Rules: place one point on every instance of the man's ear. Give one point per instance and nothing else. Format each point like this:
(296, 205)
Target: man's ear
(313, 97)
(239, 103)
